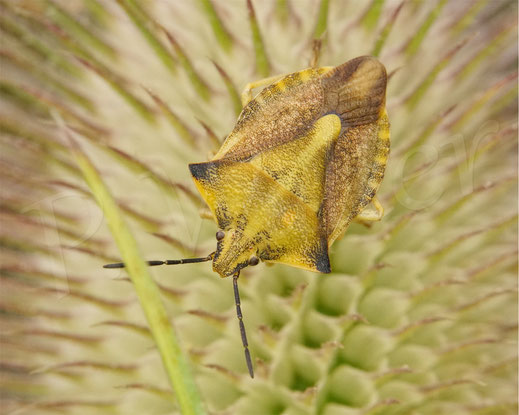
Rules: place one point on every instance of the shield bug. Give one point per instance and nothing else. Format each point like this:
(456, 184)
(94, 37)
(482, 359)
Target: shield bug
(304, 160)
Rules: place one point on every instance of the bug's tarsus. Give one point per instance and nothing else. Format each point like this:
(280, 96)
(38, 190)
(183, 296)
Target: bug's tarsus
(242, 326)
(166, 262)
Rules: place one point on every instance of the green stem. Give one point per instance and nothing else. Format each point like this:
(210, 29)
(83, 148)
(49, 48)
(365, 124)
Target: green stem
(262, 63)
(175, 362)
(322, 19)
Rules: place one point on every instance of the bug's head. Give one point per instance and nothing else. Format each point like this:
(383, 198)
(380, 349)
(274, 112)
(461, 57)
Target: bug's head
(233, 253)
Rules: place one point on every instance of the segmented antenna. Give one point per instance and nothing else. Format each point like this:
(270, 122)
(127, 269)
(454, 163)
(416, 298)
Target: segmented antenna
(166, 262)
(242, 326)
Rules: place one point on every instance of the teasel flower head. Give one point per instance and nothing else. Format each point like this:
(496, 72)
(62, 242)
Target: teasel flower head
(419, 315)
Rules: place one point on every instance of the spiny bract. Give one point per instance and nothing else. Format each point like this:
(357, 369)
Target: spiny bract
(419, 314)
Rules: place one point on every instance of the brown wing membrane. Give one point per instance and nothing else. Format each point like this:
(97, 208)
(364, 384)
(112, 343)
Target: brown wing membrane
(356, 91)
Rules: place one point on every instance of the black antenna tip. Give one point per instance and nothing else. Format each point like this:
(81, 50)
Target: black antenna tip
(249, 363)
(116, 265)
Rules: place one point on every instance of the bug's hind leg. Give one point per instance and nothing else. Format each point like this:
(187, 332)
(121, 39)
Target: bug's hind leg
(246, 95)
(370, 214)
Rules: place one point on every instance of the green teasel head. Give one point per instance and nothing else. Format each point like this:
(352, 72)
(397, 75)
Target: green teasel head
(418, 315)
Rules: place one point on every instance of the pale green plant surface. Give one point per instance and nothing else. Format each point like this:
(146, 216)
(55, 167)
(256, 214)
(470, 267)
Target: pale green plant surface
(419, 315)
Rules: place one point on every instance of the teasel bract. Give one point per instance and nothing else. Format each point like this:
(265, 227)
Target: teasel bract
(419, 315)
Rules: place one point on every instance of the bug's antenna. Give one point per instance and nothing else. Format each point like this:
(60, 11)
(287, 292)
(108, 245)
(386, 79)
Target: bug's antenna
(242, 326)
(166, 262)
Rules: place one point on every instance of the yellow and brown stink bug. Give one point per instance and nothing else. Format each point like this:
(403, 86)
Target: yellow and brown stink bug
(305, 158)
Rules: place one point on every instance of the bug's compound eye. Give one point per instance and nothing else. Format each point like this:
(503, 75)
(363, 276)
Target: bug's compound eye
(254, 260)
(220, 235)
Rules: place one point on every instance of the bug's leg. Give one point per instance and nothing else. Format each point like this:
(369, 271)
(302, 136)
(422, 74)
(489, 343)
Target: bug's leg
(316, 52)
(369, 215)
(205, 213)
(246, 95)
